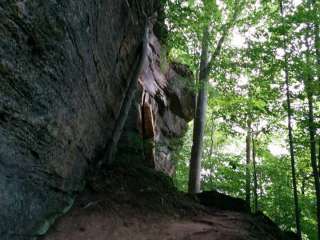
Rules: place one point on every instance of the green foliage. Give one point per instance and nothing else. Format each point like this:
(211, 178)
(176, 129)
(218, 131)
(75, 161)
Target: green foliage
(247, 84)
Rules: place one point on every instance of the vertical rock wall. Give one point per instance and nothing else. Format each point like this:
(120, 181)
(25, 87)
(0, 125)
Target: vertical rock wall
(64, 69)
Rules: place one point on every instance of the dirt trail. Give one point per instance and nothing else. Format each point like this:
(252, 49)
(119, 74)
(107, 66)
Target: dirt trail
(142, 204)
(98, 220)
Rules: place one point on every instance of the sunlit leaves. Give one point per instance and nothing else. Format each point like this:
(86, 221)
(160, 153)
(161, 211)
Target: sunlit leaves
(247, 82)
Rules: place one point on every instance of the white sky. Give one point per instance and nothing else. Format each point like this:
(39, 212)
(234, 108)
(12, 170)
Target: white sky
(238, 40)
(297, 2)
(278, 147)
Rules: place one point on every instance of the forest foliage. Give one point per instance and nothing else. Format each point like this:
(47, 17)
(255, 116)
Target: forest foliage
(269, 58)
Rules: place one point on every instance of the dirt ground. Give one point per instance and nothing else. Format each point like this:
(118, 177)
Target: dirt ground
(102, 220)
(141, 204)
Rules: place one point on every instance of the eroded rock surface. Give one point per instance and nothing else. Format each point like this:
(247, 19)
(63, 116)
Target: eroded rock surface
(64, 69)
(160, 113)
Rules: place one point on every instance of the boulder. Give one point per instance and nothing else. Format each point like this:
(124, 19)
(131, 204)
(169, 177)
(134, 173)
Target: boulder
(222, 201)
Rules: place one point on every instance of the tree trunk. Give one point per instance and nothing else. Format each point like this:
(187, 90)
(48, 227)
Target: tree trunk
(308, 82)
(313, 156)
(255, 180)
(201, 105)
(292, 157)
(317, 47)
(200, 118)
(303, 186)
(211, 137)
(319, 154)
(290, 135)
(316, 36)
(248, 160)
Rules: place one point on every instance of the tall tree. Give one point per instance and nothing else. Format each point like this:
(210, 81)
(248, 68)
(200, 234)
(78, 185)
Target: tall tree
(200, 117)
(290, 134)
(309, 88)
(248, 163)
(201, 106)
(315, 5)
(316, 9)
(266, 52)
(255, 180)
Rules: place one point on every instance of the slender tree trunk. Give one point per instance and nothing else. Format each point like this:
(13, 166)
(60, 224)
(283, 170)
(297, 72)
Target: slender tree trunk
(317, 47)
(255, 180)
(319, 154)
(316, 36)
(290, 136)
(200, 118)
(312, 134)
(201, 106)
(303, 186)
(248, 161)
(292, 156)
(308, 81)
(211, 137)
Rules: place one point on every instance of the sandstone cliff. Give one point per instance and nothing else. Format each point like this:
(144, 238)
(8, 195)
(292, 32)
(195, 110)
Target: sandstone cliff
(160, 113)
(64, 71)
(63, 74)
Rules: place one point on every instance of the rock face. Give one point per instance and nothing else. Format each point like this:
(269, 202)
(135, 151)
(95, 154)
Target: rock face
(64, 71)
(159, 115)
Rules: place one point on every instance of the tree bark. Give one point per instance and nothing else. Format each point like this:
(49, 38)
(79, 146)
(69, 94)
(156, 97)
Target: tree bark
(319, 154)
(303, 186)
(200, 118)
(292, 156)
(308, 81)
(211, 137)
(313, 154)
(201, 105)
(317, 47)
(248, 161)
(316, 36)
(290, 136)
(255, 180)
